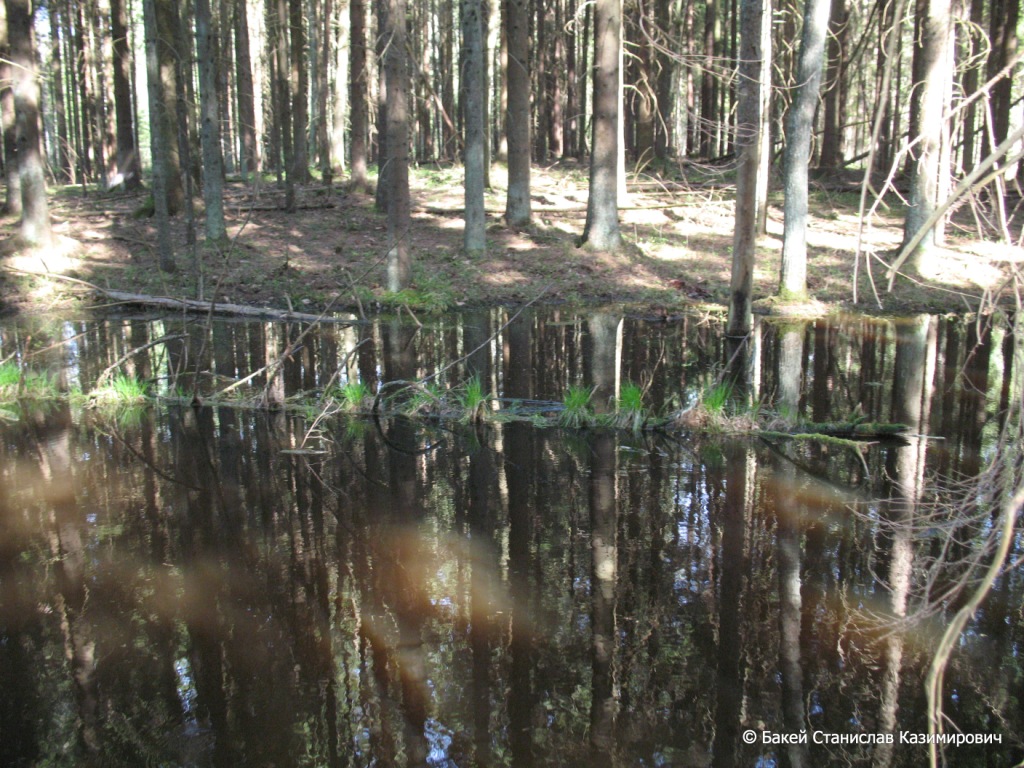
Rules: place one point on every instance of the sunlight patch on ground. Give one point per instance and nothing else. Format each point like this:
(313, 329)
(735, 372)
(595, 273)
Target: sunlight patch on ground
(506, 277)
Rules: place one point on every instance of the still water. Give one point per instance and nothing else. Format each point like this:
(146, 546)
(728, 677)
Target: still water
(211, 585)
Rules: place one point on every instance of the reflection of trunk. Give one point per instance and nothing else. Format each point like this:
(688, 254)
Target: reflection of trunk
(791, 357)
(603, 525)
(482, 629)
(605, 359)
(404, 593)
(788, 553)
(54, 450)
(518, 466)
(905, 467)
(519, 369)
(730, 590)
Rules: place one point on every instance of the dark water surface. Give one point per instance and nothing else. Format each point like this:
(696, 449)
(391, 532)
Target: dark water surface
(226, 586)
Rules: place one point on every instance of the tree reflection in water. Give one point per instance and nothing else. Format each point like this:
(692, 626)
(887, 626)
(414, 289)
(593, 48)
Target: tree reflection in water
(189, 588)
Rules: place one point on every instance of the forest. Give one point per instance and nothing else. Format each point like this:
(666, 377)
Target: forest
(562, 382)
(220, 112)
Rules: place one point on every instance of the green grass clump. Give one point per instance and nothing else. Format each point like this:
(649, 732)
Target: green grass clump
(576, 411)
(353, 395)
(121, 390)
(716, 398)
(17, 383)
(630, 412)
(473, 400)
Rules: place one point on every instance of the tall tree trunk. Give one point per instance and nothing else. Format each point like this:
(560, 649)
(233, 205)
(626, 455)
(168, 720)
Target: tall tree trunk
(246, 93)
(283, 115)
(12, 206)
(128, 169)
(749, 123)
(105, 116)
(937, 69)
(517, 203)
(167, 50)
(299, 82)
(160, 146)
(601, 232)
(799, 127)
(709, 81)
(474, 239)
(832, 144)
(35, 210)
(213, 164)
(63, 170)
(397, 71)
(969, 88)
(383, 166)
(447, 63)
(358, 95)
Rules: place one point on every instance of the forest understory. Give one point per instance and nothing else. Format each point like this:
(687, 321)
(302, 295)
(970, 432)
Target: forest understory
(330, 253)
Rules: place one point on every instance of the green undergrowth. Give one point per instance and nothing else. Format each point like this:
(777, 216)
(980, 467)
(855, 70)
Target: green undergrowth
(717, 410)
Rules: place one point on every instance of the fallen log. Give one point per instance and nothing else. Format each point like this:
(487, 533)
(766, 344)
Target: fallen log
(221, 308)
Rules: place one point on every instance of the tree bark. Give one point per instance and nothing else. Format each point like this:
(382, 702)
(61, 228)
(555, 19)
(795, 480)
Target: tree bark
(158, 140)
(397, 73)
(517, 203)
(128, 170)
(358, 95)
(936, 68)
(213, 163)
(832, 144)
(246, 93)
(12, 206)
(796, 160)
(474, 236)
(299, 83)
(63, 170)
(166, 41)
(35, 210)
(748, 149)
(601, 232)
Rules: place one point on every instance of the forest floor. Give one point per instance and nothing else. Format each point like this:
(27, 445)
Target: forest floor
(331, 251)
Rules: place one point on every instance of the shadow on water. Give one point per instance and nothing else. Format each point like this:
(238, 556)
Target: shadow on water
(223, 586)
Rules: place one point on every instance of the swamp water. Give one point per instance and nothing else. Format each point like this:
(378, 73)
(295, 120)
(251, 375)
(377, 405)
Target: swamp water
(223, 585)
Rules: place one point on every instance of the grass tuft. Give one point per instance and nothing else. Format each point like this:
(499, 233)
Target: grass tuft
(577, 411)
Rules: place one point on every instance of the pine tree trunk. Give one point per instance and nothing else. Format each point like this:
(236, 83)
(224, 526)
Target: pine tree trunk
(970, 86)
(358, 95)
(246, 94)
(796, 160)
(832, 144)
(399, 272)
(158, 139)
(63, 170)
(601, 232)
(748, 149)
(299, 82)
(127, 164)
(35, 210)
(12, 206)
(209, 133)
(166, 42)
(709, 82)
(474, 240)
(517, 204)
(937, 68)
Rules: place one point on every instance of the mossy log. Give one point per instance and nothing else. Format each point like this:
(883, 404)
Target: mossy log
(852, 430)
